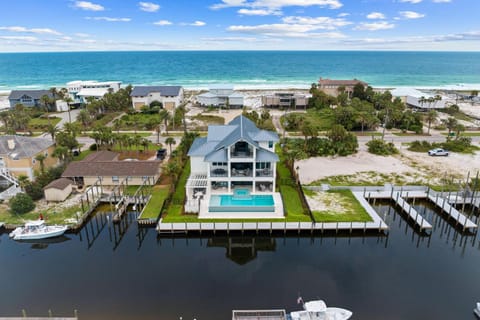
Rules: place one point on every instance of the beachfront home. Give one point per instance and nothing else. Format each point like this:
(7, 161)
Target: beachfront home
(17, 155)
(331, 87)
(221, 96)
(106, 166)
(417, 99)
(28, 98)
(58, 190)
(233, 172)
(170, 96)
(80, 90)
(285, 100)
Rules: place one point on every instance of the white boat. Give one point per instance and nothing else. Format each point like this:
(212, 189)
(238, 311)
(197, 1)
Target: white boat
(318, 310)
(477, 310)
(37, 230)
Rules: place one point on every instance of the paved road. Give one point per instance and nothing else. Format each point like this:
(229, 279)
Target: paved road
(65, 118)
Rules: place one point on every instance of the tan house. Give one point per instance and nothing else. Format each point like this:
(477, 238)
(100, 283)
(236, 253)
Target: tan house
(58, 190)
(331, 86)
(17, 154)
(105, 165)
(285, 100)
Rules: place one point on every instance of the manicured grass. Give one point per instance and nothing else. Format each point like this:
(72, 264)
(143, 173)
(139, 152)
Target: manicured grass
(51, 216)
(159, 195)
(323, 119)
(42, 123)
(174, 212)
(352, 210)
(83, 155)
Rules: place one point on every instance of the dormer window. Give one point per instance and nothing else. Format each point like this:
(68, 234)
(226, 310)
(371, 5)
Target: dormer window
(270, 144)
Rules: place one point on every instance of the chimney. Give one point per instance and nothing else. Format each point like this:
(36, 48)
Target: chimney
(11, 144)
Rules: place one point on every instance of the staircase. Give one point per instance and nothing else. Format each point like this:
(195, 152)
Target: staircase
(14, 188)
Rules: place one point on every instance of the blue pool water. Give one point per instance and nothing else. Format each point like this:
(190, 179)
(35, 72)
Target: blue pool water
(241, 203)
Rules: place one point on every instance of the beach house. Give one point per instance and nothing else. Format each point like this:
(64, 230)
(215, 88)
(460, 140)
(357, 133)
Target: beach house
(233, 171)
(331, 87)
(28, 98)
(170, 96)
(17, 155)
(285, 100)
(80, 90)
(221, 96)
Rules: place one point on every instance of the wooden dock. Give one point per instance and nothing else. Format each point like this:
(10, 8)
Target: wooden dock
(259, 315)
(453, 213)
(397, 197)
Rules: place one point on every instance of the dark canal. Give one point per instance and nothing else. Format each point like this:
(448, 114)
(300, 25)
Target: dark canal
(123, 272)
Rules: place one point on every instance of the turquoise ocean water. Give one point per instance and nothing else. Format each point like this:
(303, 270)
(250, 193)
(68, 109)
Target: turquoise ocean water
(244, 69)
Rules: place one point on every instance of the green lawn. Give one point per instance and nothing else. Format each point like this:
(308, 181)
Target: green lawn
(159, 195)
(174, 212)
(350, 210)
(466, 134)
(83, 155)
(323, 119)
(140, 121)
(210, 119)
(42, 123)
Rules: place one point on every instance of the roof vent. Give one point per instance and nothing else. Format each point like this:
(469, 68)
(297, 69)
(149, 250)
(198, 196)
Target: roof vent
(11, 144)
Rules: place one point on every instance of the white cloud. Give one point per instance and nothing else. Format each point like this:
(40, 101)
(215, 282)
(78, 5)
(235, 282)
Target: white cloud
(162, 23)
(109, 19)
(376, 15)
(33, 30)
(89, 6)
(228, 39)
(285, 30)
(82, 35)
(411, 1)
(342, 15)
(374, 26)
(411, 15)
(442, 1)
(149, 6)
(19, 38)
(325, 23)
(259, 12)
(277, 4)
(465, 36)
(197, 23)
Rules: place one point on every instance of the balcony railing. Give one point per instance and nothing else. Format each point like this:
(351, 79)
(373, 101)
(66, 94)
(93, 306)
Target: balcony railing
(241, 154)
(218, 172)
(264, 173)
(242, 172)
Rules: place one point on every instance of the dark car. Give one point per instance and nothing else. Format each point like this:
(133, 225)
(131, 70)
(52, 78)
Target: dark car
(161, 153)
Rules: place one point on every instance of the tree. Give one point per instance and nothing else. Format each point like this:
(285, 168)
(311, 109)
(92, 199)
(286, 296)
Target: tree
(67, 140)
(458, 128)
(45, 99)
(145, 143)
(165, 117)
(170, 141)
(430, 117)
(23, 181)
(308, 130)
(62, 153)
(41, 158)
(117, 124)
(84, 118)
(171, 169)
(359, 91)
(21, 203)
(450, 123)
(52, 130)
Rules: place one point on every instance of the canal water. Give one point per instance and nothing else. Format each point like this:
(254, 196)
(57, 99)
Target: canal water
(123, 272)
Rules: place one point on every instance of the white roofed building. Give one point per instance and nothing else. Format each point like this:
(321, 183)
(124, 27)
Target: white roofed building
(170, 96)
(221, 96)
(79, 90)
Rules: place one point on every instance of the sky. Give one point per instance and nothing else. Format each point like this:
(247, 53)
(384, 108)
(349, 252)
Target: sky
(113, 25)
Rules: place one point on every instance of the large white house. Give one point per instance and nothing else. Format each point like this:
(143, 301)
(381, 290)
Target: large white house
(170, 96)
(220, 96)
(233, 173)
(79, 90)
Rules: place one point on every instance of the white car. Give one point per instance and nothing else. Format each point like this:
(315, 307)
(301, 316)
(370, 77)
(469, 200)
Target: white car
(438, 152)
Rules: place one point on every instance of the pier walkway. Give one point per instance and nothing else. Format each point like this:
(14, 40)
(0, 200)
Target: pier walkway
(452, 212)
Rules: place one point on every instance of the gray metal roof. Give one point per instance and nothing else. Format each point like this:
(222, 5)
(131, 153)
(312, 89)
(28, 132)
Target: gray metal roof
(221, 137)
(24, 147)
(217, 156)
(142, 91)
(264, 135)
(34, 94)
(266, 156)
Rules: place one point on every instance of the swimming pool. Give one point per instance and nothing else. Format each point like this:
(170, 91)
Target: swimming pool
(241, 201)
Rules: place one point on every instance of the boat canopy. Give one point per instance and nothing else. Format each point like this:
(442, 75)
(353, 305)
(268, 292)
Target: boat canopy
(315, 306)
(35, 223)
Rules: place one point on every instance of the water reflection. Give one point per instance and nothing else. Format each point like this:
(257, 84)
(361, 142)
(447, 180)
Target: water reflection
(44, 243)
(242, 250)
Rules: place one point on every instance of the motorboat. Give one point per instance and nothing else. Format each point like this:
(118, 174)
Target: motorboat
(34, 230)
(477, 310)
(318, 310)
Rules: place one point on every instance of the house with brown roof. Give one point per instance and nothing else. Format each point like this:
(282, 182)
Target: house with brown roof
(331, 87)
(58, 190)
(105, 165)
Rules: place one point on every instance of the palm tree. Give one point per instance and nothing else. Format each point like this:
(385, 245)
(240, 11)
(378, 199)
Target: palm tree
(68, 100)
(84, 118)
(117, 124)
(170, 141)
(23, 181)
(450, 123)
(459, 128)
(165, 117)
(45, 99)
(145, 143)
(62, 153)
(5, 118)
(41, 158)
(52, 130)
(71, 128)
(430, 117)
(171, 169)
(422, 100)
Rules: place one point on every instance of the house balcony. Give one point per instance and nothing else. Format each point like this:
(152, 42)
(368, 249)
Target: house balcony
(241, 149)
(242, 172)
(263, 173)
(218, 172)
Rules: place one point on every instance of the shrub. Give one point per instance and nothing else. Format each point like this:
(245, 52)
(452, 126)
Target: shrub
(93, 147)
(461, 144)
(21, 203)
(34, 190)
(380, 147)
(420, 146)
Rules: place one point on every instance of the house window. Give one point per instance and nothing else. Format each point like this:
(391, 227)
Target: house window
(115, 179)
(46, 154)
(270, 144)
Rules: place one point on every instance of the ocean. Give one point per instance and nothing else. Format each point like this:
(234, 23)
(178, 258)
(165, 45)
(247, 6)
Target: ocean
(243, 69)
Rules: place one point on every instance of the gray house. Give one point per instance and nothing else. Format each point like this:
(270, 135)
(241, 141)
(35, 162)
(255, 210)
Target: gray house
(29, 98)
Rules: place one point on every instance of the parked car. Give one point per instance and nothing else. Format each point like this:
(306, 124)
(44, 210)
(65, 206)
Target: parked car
(438, 152)
(161, 153)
